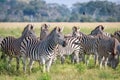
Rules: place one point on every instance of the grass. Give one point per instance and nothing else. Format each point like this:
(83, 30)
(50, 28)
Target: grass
(66, 71)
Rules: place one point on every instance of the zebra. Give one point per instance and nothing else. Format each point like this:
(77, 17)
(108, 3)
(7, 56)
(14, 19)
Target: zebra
(99, 30)
(70, 49)
(42, 51)
(44, 31)
(102, 47)
(11, 46)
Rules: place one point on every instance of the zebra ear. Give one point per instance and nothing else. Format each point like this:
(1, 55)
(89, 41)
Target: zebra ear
(62, 29)
(31, 27)
(101, 27)
(74, 28)
(78, 29)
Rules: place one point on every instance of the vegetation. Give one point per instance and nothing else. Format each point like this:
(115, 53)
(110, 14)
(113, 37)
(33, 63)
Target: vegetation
(40, 11)
(58, 71)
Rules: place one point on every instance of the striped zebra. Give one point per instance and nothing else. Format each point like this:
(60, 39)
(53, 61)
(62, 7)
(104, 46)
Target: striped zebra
(102, 47)
(11, 46)
(70, 49)
(44, 31)
(99, 30)
(42, 51)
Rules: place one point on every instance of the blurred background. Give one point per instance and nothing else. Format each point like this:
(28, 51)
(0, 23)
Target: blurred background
(59, 10)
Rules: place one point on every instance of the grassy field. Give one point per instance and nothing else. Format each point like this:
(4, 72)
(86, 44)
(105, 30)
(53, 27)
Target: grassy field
(66, 71)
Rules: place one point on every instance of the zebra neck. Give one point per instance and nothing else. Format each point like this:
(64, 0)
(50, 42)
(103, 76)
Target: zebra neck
(51, 46)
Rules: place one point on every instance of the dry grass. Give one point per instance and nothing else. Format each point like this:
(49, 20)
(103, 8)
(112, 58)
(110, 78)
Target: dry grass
(84, 27)
(65, 24)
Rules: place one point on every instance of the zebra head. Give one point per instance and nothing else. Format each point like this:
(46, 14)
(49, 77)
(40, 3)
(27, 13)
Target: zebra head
(28, 31)
(113, 61)
(75, 31)
(114, 57)
(44, 27)
(117, 35)
(98, 30)
(59, 37)
(44, 31)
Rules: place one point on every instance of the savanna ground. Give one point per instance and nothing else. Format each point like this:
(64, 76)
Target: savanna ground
(66, 71)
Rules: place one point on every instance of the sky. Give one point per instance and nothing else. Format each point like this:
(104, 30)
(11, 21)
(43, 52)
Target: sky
(70, 2)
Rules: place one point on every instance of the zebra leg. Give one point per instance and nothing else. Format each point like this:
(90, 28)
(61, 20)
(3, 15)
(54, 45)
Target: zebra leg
(82, 55)
(96, 59)
(87, 59)
(106, 61)
(62, 59)
(77, 57)
(43, 63)
(30, 65)
(24, 62)
(101, 63)
(17, 63)
(3, 56)
(48, 64)
(9, 62)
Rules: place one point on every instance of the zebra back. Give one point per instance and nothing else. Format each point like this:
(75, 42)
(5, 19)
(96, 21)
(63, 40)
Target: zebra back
(99, 30)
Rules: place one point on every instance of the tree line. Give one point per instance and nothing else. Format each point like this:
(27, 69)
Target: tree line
(40, 11)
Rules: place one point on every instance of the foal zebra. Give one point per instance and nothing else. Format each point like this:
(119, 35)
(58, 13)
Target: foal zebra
(71, 48)
(42, 51)
(11, 46)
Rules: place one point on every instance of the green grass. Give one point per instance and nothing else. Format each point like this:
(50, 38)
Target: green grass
(58, 71)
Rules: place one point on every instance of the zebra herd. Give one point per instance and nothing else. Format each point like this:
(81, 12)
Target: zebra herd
(44, 49)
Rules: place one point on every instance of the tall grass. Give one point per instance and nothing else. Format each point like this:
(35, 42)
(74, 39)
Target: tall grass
(58, 71)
